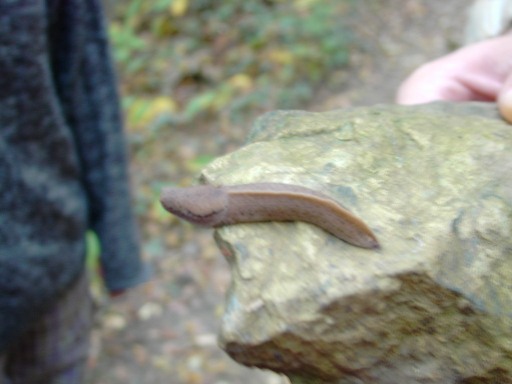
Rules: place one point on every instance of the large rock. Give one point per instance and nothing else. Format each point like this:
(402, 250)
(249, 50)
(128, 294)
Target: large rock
(434, 304)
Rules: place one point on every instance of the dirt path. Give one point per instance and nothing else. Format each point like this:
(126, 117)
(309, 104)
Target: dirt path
(166, 332)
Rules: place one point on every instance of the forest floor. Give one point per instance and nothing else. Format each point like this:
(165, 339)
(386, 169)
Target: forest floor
(165, 331)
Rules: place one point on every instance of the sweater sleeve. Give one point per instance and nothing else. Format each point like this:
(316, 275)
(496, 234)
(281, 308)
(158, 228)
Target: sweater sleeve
(88, 89)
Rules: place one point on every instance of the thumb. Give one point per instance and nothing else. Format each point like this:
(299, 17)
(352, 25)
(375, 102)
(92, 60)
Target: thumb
(505, 99)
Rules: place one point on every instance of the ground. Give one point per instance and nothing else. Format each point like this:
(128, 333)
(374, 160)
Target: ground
(165, 332)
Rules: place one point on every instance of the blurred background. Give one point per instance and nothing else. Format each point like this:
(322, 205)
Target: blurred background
(194, 75)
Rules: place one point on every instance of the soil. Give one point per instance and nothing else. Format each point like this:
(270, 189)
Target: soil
(165, 331)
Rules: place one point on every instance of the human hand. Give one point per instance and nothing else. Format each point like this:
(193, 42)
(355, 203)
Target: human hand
(479, 72)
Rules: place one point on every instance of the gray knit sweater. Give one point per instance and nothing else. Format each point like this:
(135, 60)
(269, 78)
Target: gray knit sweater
(62, 158)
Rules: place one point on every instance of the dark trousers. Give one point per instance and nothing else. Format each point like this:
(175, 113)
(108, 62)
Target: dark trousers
(55, 349)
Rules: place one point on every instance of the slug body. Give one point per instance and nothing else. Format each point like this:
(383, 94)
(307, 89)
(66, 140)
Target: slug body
(226, 205)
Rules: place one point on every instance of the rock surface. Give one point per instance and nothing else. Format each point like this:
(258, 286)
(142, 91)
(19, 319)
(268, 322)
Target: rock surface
(434, 305)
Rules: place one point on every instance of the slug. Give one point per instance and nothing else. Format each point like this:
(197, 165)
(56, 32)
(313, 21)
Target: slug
(212, 206)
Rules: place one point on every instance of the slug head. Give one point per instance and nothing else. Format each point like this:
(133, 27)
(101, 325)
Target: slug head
(204, 205)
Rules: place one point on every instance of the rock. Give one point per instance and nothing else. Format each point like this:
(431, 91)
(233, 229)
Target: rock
(434, 304)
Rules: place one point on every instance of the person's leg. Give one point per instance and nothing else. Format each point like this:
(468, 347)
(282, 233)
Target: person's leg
(3, 379)
(55, 349)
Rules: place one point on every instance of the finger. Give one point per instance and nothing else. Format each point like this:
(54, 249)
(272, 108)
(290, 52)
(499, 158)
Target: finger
(432, 81)
(417, 88)
(505, 99)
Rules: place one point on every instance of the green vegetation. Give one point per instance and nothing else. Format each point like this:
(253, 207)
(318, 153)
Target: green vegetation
(181, 60)
(196, 67)
(92, 258)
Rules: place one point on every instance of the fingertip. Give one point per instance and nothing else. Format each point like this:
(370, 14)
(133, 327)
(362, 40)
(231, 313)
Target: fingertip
(505, 105)
(409, 96)
(504, 99)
